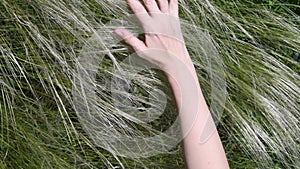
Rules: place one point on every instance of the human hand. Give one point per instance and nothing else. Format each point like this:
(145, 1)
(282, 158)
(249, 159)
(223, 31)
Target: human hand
(164, 45)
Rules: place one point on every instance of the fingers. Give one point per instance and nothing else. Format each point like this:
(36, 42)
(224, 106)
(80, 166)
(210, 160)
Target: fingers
(163, 5)
(136, 6)
(151, 6)
(131, 40)
(138, 9)
(173, 8)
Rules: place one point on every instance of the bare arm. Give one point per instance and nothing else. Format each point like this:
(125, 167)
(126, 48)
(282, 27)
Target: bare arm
(164, 46)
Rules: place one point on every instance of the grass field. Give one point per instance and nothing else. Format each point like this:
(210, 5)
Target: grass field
(252, 47)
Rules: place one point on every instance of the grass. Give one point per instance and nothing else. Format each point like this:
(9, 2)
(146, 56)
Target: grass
(41, 42)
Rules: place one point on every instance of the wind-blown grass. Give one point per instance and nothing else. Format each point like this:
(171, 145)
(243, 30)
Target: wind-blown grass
(41, 43)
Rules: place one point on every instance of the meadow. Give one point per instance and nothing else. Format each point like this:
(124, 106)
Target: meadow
(59, 110)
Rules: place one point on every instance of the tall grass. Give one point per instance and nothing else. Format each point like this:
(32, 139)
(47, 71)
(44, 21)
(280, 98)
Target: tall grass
(251, 45)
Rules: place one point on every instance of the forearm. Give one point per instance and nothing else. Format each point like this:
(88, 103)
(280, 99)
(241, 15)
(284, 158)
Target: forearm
(164, 47)
(194, 117)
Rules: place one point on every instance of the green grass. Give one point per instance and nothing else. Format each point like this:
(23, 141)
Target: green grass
(40, 42)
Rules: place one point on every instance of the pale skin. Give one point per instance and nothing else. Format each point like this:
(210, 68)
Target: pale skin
(164, 46)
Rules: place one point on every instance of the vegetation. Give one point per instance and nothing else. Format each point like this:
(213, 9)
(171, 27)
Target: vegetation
(249, 47)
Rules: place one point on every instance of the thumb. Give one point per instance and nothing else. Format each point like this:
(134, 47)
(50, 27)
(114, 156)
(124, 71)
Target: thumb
(131, 39)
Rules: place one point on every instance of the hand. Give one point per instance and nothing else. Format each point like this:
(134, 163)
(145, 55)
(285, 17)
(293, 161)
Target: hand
(164, 44)
(164, 47)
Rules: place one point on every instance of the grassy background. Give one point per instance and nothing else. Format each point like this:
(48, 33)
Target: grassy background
(39, 128)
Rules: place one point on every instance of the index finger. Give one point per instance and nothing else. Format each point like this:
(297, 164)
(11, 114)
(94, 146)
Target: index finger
(136, 6)
(139, 10)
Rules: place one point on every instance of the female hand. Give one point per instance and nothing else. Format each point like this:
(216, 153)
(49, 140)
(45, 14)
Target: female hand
(164, 47)
(164, 44)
